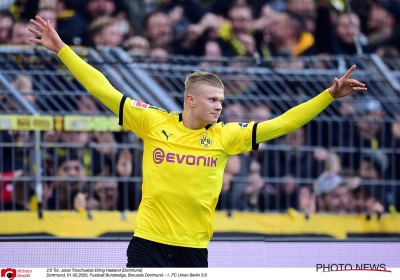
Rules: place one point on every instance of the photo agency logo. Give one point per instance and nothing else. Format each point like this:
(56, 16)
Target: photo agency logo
(9, 273)
(322, 267)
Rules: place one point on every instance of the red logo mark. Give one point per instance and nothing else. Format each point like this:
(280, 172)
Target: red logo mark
(139, 104)
(9, 273)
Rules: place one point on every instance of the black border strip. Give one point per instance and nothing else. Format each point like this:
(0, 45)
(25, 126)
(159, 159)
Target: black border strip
(121, 110)
(254, 145)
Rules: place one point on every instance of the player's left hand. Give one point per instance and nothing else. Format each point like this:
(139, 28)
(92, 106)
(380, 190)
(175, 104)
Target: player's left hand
(344, 86)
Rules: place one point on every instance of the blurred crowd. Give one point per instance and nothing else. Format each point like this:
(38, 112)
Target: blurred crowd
(215, 28)
(361, 176)
(356, 172)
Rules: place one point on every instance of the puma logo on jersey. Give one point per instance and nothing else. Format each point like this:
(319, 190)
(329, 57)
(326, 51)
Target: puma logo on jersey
(165, 133)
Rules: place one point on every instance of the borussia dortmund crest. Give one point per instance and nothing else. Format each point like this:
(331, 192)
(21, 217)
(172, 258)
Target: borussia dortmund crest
(205, 141)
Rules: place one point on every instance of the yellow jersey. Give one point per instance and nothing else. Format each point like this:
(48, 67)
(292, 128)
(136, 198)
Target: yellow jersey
(182, 173)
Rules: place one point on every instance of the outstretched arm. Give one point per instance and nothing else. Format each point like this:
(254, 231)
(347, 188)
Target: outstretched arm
(305, 112)
(94, 82)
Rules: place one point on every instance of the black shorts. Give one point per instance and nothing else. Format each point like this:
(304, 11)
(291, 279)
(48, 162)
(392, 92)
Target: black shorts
(145, 253)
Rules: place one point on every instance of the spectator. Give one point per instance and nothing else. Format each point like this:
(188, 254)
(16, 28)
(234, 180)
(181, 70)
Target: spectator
(96, 158)
(292, 159)
(70, 186)
(234, 112)
(160, 53)
(6, 22)
(347, 107)
(158, 30)
(263, 26)
(136, 11)
(212, 54)
(211, 23)
(365, 202)
(367, 131)
(373, 170)
(48, 3)
(332, 193)
(178, 20)
(137, 45)
(116, 9)
(332, 163)
(373, 166)
(192, 25)
(387, 52)
(24, 9)
(71, 25)
(21, 197)
(129, 193)
(289, 36)
(6, 187)
(306, 10)
(11, 103)
(105, 31)
(235, 35)
(367, 196)
(239, 82)
(49, 13)
(14, 156)
(383, 22)
(259, 112)
(87, 105)
(192, 41)
(107, 194)
(324, 33)
(348, 30)
(285, 195)
(307, 200)
(48, 192)
(359, 7)
(371, 130)
(24, 84)
(343, 36)
(101, 8)
(255, 196)
(19, 34)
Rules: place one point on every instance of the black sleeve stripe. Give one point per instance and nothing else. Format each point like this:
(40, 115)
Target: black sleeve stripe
(121, 110)
(254, 144)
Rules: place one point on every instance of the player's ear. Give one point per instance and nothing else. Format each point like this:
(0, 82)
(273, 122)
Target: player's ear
(190, 100)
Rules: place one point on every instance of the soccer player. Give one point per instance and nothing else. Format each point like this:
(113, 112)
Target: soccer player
(184, 154)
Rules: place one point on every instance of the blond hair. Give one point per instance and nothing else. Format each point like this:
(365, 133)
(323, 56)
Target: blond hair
(202, 77)
(98, 25)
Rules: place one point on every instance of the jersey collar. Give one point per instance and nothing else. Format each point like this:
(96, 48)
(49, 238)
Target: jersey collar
(206, 127)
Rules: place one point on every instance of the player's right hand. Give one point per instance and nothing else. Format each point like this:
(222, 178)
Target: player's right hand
(48, 36)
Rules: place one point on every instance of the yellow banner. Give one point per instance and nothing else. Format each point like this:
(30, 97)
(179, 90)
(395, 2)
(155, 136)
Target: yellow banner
(21, 122)
(60, 123)
(91, 123)
(77, 224)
